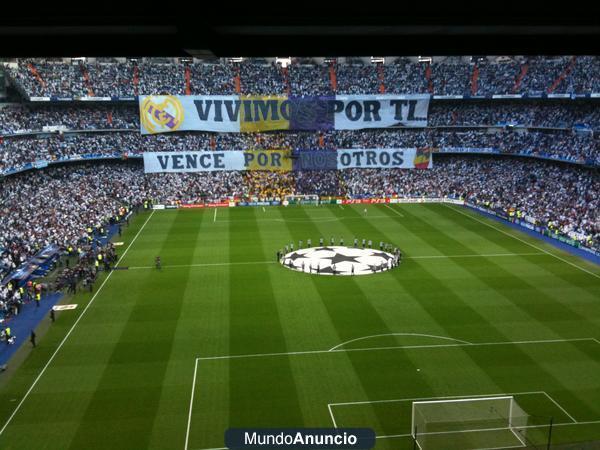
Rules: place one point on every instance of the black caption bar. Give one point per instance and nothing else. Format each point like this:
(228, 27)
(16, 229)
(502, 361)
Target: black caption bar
(299, 438)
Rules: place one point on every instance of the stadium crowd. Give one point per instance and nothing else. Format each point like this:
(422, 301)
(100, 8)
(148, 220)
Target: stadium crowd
(20, 150)
(62, 202)
(19, 118)
(441, 76)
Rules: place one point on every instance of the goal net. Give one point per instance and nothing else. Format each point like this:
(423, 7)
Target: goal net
(469, 423)
(302, 199)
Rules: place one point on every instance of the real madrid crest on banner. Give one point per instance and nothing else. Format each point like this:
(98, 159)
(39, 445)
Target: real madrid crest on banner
(161, 114)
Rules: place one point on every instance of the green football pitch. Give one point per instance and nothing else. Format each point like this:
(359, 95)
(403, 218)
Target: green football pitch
(223, 336)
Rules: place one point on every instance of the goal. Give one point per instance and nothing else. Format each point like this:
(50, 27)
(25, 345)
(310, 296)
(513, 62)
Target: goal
(302, 199)
(469, 423)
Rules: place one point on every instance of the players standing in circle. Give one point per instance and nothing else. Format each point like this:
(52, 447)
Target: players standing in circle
(157, 262)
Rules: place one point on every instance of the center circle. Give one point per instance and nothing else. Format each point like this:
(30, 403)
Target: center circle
(339, 260)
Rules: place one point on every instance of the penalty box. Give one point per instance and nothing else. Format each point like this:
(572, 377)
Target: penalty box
(353, 387)
(485, 428)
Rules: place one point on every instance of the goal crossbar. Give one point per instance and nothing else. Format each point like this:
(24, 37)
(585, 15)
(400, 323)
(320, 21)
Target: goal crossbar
(467, 416)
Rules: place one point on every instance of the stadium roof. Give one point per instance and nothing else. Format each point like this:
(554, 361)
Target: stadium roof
(418, 28)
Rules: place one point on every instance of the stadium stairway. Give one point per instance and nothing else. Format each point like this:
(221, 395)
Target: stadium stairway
(429, 78)
(563, 75)
(136, 78)
(37, 75)
(188, 85)
(381, 78)
(475, 80)
(332, 77)
(522, 73)
(86, 78)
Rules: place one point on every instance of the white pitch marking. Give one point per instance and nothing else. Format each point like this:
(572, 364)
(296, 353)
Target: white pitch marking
(492, 255)
(215, 216)
(406, 347)
(179, 266)
(447, 397)
(397, 334)
(561, 408)
(560, 424)
(340, 206)
(74, 325)
(187, 434)
(264, 210)
(332, 416)
(484, 255)
(523, 241)
(395, 210)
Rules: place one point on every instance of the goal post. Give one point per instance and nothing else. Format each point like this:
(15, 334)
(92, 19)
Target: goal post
(308, 199)
(468, 423)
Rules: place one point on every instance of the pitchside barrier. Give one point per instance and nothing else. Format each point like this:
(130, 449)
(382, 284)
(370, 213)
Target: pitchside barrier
(313, 199)
(571, 245)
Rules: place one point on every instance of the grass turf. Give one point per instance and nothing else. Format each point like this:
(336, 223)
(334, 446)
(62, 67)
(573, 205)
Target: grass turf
(123, 377)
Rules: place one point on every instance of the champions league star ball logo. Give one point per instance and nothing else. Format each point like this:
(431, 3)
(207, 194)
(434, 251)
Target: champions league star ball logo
(337, 260)
(160, 114)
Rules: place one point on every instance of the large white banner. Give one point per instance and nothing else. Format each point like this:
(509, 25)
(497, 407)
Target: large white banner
(355, 112)
(193, 161)
(232, 113)
(402, 158)
(280, 160)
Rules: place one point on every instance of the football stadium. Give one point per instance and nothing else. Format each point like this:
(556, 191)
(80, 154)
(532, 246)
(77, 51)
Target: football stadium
(399, 251)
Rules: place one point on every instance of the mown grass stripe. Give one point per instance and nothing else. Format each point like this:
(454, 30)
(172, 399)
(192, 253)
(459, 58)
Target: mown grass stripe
(356, 315)
(483, 276)
(255, 324)
(137, 367)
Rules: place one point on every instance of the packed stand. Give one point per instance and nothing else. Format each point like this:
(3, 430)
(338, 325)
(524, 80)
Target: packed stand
(555, 196)
(15, 118)
(212, 79)
(405, 77)
(528, 75)
(582, 148)
(262, 79)
(308, 80)
(356, 79)
(451, 78)
(19, 118)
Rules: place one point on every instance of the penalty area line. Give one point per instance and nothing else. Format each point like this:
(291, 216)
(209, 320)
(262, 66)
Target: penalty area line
(73, 327)
(399, 347)
(490, 255)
